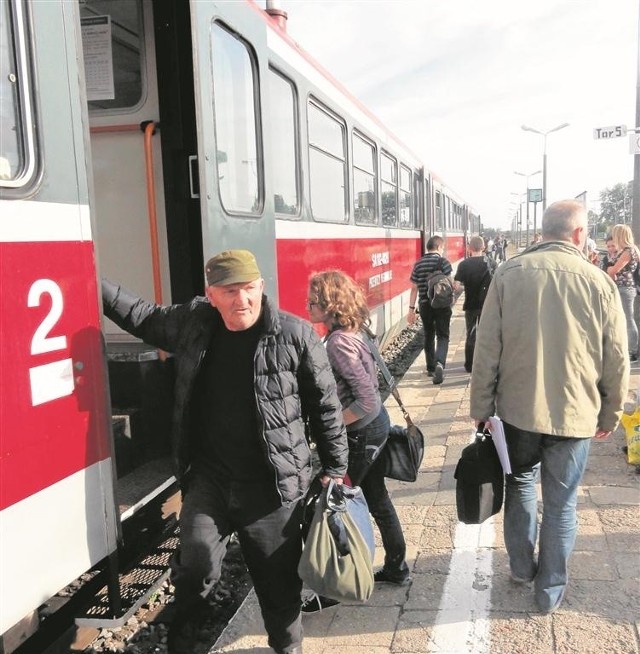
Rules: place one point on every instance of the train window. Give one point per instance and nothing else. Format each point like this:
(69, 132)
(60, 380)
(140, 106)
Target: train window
(113, 46)
(406, 198)
(439, 212)
(284, 144)
(234, 90)
(327, 166)
(17, 137)
(364, 181)
(389, 188)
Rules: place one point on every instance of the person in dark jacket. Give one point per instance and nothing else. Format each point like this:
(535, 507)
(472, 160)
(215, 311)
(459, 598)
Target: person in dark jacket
(247, 376)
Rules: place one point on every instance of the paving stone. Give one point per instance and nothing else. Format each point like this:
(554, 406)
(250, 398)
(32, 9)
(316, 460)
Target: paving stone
(363, 626)
(603, 495)
(414, 632)
(517, 633)
(592, 634)
(592, 565)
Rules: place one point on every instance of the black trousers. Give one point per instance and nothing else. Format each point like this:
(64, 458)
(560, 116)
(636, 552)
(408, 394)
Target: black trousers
(366, 469)
(271, 542)
(471, 318)
(436, 324)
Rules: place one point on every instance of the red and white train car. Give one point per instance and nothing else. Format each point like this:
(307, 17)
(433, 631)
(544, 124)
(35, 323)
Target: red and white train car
(137, 139)
(57, 510)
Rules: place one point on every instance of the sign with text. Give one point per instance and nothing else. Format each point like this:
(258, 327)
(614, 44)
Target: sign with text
(612, 132)
(535, 195)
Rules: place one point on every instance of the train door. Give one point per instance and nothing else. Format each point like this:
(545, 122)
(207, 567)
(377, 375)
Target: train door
(229, 51)
(57, 510)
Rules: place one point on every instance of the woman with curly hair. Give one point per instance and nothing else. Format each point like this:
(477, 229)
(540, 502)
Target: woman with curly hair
(338, 302)
(626, 261)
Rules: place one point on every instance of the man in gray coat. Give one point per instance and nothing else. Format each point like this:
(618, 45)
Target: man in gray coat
(551, 361)
(247, 376)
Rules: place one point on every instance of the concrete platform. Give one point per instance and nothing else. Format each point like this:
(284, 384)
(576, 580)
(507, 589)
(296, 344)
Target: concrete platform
(461, 600)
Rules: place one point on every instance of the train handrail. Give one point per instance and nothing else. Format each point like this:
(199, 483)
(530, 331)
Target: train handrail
(148, 127)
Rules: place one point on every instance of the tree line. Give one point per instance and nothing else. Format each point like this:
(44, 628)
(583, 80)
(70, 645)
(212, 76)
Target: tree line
(615, 207)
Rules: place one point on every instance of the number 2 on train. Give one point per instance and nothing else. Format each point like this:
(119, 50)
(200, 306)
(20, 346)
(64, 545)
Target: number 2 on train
(54, 380)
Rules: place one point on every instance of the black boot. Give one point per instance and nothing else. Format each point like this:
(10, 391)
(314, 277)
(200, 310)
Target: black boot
(185, 628)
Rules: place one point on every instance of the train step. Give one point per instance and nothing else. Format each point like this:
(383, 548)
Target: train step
(137, 585)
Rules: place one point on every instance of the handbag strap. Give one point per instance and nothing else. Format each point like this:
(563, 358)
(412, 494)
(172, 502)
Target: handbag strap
(386, 374)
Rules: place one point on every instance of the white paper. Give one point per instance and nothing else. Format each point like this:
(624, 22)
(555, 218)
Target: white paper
(98, 58)
(499, 440)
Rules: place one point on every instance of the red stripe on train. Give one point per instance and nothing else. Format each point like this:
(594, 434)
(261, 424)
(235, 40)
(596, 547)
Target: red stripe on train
(53, 419)
(382, 266)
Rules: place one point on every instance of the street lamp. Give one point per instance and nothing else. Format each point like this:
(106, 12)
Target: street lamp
(527, 176)
(544, 157)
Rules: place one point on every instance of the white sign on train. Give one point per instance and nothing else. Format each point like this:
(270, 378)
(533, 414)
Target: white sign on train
(609, 132)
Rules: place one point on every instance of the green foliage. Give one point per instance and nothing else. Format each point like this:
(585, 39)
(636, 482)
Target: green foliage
(615, 206)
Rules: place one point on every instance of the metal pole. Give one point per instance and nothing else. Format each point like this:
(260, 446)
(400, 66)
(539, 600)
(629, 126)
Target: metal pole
(635, 207)
(544, 175)
(527, 213)
(535, 228)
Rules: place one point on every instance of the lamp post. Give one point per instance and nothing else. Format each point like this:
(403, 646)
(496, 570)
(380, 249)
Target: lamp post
(518, 214)
(527, 176)
(544, 158)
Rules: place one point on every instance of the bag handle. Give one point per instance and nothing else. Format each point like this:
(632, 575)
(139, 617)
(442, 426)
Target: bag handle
(388, 377)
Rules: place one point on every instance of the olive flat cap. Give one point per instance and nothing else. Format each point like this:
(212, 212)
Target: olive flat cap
(232, 267)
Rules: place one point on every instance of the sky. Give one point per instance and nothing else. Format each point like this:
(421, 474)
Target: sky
(456, 79)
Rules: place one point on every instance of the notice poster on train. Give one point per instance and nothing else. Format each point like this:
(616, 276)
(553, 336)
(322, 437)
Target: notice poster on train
(98, 57)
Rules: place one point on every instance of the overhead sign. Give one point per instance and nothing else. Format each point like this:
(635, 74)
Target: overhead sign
(535, 195)
(634, 143)
(610, 132)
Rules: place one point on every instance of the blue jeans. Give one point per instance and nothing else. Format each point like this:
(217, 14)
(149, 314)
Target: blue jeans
(628, 297)
(366, 470)
(436, 324)
(560, 462)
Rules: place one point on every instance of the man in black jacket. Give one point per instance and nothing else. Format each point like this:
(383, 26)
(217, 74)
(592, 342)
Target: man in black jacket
(474, 274)
(246, 377)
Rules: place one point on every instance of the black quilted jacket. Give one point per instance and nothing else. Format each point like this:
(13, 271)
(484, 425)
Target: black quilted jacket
(292, 379)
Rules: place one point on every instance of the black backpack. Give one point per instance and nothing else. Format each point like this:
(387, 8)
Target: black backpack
(439, 290)
(486, 282)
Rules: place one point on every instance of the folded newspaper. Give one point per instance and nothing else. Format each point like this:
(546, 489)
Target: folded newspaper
(499, 440)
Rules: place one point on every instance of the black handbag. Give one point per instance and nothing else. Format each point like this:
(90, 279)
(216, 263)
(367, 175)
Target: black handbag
(404, 450)
(479, 480)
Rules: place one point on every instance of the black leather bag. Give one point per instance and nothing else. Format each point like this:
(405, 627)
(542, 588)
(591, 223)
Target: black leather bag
(403, 452)
(479, 481)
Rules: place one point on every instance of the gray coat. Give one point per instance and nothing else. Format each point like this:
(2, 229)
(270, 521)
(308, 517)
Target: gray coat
(293, 380)
(551, 350)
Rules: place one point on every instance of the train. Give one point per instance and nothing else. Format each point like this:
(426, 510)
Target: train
(139, 137)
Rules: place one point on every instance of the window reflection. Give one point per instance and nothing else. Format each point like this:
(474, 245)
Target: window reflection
(127, 48)
(11, 142)
(327, 162)
(364, 181)
(282, 119)
(389, 188)
(406, 203)
(239, 176)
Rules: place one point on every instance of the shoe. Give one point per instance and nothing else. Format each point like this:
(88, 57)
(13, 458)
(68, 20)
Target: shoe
(438, 374)
(555, 607)
(316, 603)
(384, 577)
(633, 357)
(467, 369)
(183, 634)
(290, 650)
(429, 373)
